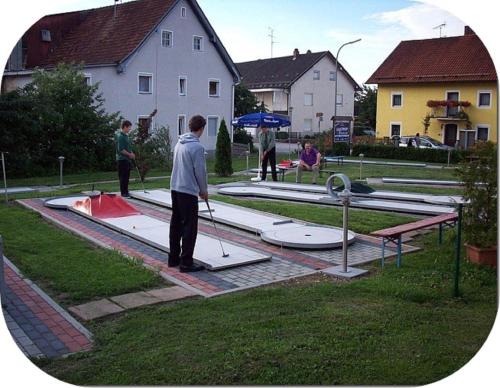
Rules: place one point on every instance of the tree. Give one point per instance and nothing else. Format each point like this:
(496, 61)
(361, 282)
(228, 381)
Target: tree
(223, 157)
(365, 102)
(71, 119)
(245, 102)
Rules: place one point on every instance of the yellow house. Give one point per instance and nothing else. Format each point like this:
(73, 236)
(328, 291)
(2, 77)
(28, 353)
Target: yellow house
(445, 88)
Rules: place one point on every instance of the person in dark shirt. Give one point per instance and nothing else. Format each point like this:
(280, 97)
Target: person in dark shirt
(124, 157)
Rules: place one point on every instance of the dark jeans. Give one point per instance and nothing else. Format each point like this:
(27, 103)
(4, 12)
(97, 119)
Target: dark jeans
(271, 157)
(124, 168)
(183, 226)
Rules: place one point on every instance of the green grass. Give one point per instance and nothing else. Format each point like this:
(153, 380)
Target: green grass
(70, 269)
(360, 221)
(397, 327)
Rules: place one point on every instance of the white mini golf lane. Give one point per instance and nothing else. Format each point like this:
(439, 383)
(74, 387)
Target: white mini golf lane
(322, 199)
(155, 233)
(272, 229)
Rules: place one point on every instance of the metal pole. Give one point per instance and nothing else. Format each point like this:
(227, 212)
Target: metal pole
(457, 249)
(449, 156)
(61, 161)
(361, 166)
(4, 179)
(336, 83)
(345, 227)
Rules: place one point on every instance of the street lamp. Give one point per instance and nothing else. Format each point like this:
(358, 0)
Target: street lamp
(336, 83)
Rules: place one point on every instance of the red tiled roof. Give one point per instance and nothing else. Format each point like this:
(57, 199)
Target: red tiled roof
(98, 37)
(459, 58)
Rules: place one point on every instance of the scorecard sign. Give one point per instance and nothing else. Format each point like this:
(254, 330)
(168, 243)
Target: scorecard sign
(342, 132)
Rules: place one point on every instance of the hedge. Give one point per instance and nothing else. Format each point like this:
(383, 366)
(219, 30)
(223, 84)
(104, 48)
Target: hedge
(404, 153)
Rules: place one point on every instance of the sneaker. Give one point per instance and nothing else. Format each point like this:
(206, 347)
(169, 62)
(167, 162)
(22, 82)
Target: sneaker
(191, 268)
(126, 195)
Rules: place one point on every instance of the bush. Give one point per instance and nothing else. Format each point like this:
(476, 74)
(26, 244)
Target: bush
(223, 157)
(241, 136)
(340, 149)
(428, 155)
(480, 215)
(57, 114)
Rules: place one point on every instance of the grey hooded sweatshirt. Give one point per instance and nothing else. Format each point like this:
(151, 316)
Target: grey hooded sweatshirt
(189, 174)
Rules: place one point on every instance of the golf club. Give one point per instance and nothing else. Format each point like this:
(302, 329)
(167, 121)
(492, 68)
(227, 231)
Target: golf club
(138, 172)
(224, 254)
(258, 177)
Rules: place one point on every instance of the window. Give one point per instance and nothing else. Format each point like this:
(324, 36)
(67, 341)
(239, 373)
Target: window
(212, 123)
(308, 123)
(145, 83)
(316, 75)
(484, 100)
(395, 130)
(340, 99)
(167, 38)
(396, 100)
(182, 86)
(183, 12)
(144, 122)
(308, 99)
(46, 36)
(181, 124)
(482, 133)
(213, 88)
(197, 43)
(87, 79)
(332, 76)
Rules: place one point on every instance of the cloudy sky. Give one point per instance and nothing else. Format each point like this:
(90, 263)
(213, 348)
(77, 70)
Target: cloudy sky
(318, 25)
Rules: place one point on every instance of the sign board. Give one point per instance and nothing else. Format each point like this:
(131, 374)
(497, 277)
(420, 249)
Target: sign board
(342, 132)
(319, 114)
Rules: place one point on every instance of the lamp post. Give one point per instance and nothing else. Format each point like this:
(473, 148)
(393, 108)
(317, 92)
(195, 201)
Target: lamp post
(61, 161)
(290, 110)
(336, 83)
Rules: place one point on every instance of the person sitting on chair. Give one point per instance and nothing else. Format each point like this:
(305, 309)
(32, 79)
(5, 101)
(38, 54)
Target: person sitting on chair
(309, 161)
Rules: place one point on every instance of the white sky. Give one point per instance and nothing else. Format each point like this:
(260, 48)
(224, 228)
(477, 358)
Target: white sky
(380, 31)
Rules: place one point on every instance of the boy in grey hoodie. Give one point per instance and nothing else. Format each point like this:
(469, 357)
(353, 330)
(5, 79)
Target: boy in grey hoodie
(188, 182)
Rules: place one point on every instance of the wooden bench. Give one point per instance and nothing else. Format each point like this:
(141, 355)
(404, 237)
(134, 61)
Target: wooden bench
(329, 172)
(394, 234)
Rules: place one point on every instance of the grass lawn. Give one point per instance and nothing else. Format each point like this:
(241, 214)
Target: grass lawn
(70, 269)
(360, 221)
(398, 326)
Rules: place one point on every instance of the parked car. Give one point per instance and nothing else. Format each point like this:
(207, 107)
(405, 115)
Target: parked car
(425, 142)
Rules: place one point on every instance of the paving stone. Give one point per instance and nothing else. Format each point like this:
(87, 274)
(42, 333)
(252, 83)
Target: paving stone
(135, 299)
(171, 293)
(97, 309)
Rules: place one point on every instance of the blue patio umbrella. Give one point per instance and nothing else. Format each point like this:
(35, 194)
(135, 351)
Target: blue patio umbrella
(261, 119)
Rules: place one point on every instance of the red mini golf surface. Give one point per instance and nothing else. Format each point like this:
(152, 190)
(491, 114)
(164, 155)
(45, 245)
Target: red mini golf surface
(106, 206)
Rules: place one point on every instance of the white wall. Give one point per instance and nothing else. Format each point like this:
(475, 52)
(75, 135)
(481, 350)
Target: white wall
(323, 100)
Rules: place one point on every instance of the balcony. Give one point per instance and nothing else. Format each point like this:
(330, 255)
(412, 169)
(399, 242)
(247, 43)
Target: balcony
(449, 110)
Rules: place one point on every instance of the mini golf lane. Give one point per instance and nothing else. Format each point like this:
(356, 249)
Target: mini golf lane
(320, 199)
(377, 194)
(272, 229)
(115, 213)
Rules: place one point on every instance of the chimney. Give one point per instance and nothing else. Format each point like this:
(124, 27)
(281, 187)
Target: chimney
(469, 31)
(295, 53)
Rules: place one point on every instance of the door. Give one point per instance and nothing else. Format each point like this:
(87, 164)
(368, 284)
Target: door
(467, 139)
(452, 110)
(450, 134)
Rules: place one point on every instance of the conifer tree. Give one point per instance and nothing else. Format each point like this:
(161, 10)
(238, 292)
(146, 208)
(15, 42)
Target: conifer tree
(223, 159)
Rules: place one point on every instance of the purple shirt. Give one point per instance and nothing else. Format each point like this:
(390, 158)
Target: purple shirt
(309, 158)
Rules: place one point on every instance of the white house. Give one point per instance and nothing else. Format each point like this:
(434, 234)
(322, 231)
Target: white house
(302, 86)
(145, 55)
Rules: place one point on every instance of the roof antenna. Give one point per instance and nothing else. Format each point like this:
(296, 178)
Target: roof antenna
(441, 26)
(271, 35)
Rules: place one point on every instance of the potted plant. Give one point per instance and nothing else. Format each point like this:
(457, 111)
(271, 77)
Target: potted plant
(479, 175)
